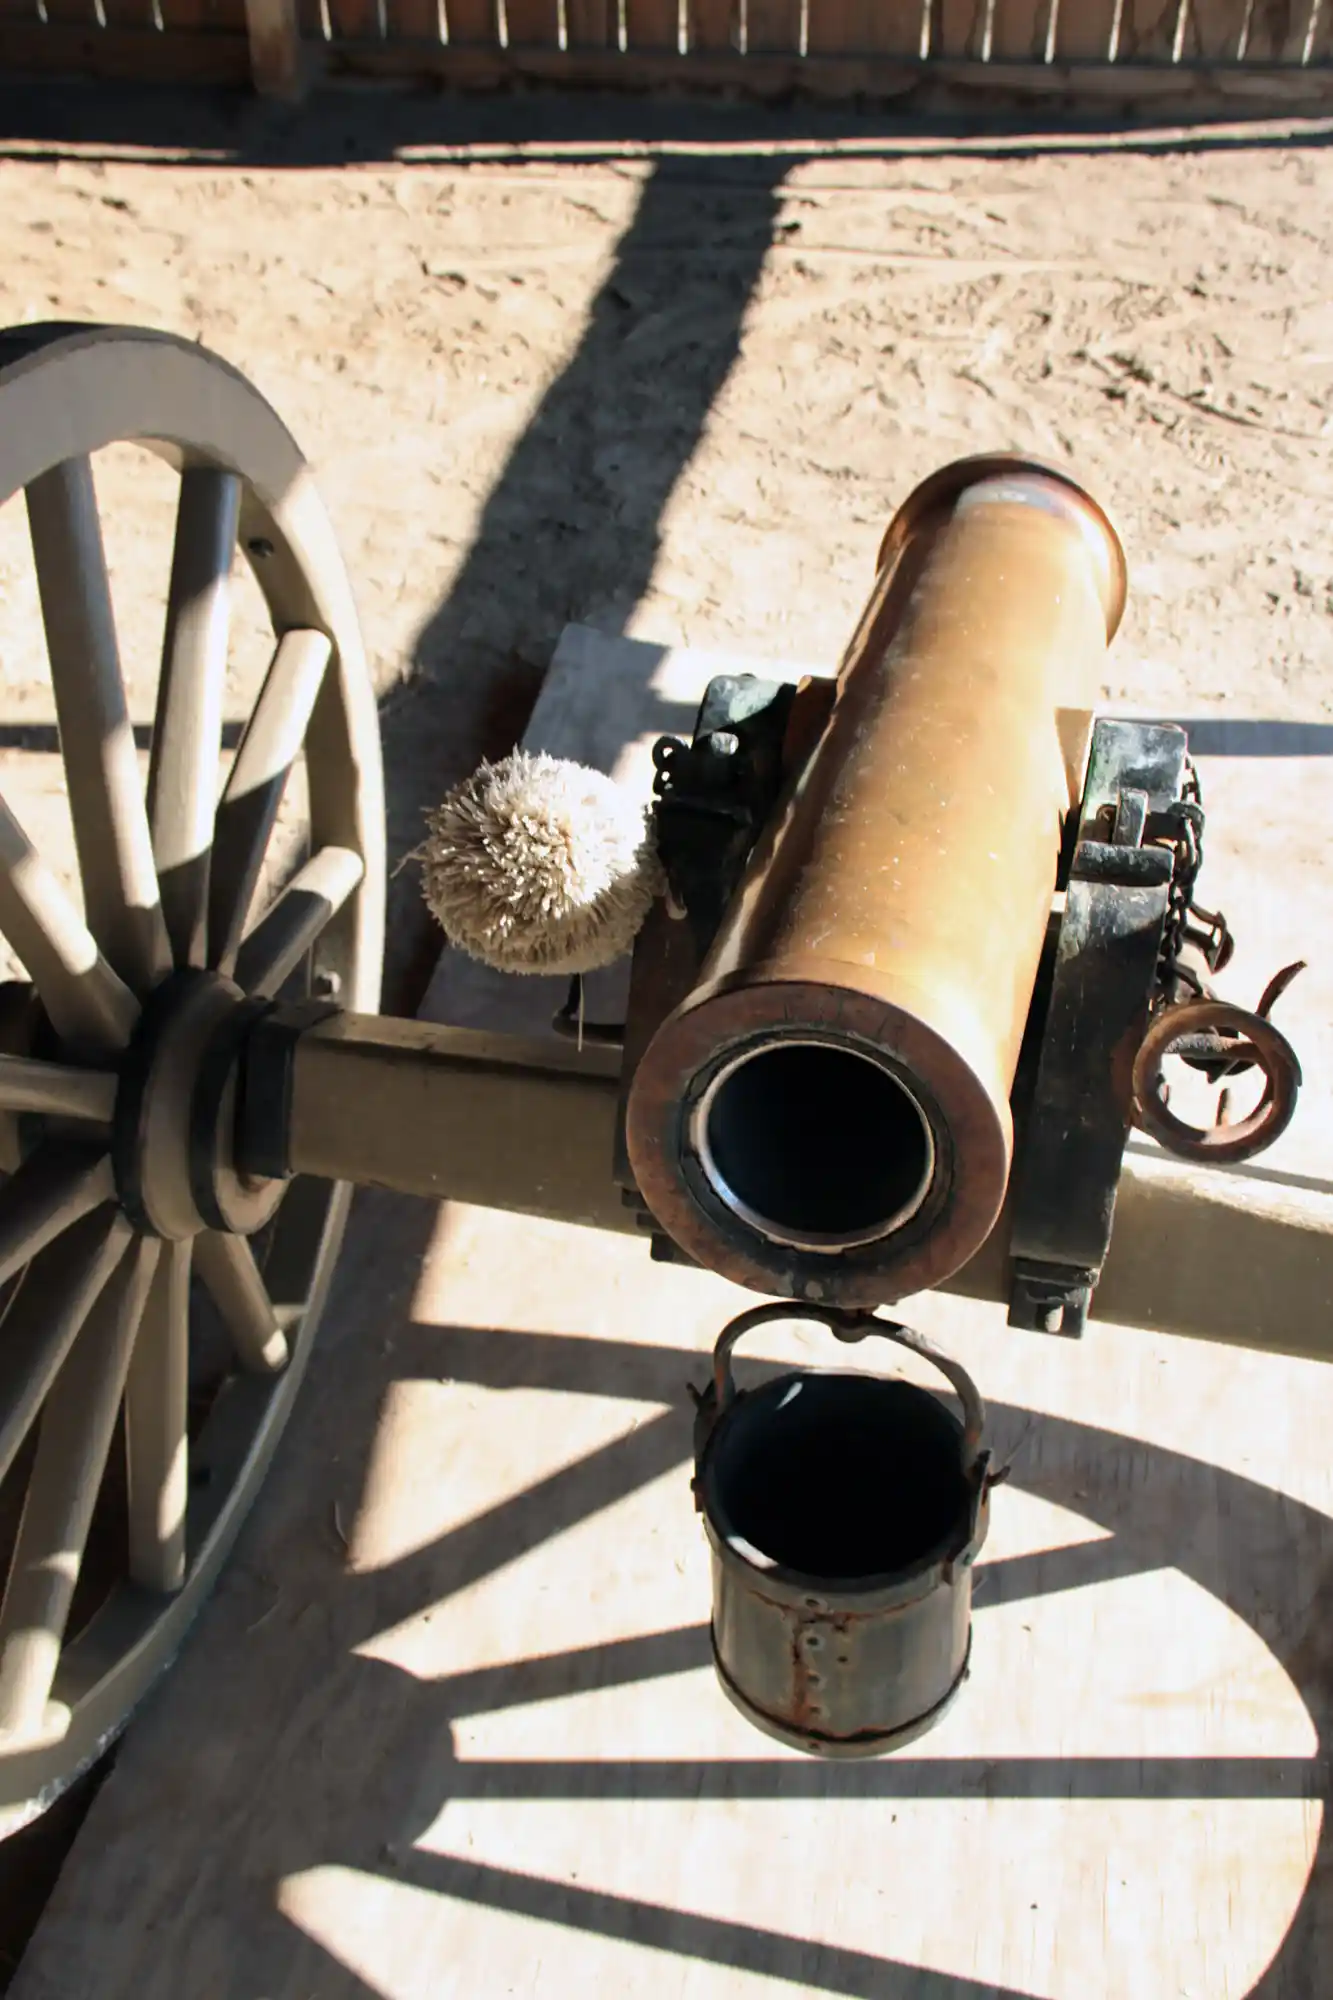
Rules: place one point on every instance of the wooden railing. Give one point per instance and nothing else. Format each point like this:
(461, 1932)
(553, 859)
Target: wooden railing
(878, 47)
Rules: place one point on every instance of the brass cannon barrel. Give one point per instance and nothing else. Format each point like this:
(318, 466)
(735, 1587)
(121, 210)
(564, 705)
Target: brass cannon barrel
(826, 1116)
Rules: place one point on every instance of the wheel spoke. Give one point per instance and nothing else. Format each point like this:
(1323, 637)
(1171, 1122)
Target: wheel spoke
(27, 1085)
(101, 768)
(54, 1299)
(88, 1004)
(51, 1191)
(255, 786)
(187, 733)
(313, 897)
(228, 1268)
(155, 1427)
(78, 1421)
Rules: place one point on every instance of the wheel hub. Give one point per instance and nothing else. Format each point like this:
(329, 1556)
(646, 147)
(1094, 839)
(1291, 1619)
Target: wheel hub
(172, 1142)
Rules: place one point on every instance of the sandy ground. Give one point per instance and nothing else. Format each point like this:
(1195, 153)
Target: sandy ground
(679, 395)
(680, 398)
(676, 391)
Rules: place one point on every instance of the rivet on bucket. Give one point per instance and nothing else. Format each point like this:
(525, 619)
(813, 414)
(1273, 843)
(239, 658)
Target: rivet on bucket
(844, 1513)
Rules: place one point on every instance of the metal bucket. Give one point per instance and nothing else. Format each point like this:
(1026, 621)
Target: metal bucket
(844, 1513)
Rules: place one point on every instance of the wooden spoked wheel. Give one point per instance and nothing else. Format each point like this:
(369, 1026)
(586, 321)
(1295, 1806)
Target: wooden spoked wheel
(148, 1356)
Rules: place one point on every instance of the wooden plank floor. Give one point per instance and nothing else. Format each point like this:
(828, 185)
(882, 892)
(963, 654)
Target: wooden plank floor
(447, 1731)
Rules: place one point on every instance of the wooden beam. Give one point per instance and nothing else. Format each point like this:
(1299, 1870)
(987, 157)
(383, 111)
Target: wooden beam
(125, 55)
(137, 55)
(1192, 87)
(276, 68)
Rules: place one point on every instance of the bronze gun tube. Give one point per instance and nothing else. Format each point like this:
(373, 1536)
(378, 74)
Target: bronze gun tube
(826, 1116)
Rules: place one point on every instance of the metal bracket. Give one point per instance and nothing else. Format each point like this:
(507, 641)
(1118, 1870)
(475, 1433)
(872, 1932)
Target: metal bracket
(714, 795)
(264, 1097)
(713, 798)
(1106, 958)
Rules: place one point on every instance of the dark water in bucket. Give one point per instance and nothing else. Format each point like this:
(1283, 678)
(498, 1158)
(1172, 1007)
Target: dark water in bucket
(840, 1476)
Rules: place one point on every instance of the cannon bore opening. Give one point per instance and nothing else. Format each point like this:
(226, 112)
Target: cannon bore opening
(814, 1144)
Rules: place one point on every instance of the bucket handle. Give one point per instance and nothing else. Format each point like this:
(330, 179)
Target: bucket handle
(851, 1326)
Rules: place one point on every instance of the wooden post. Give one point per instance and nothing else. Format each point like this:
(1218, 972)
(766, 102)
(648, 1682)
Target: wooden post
(276, 68)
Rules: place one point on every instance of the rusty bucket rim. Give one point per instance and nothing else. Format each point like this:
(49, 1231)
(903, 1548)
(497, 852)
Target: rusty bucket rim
(850, 1325)
(780, 1582)
(876, 1589)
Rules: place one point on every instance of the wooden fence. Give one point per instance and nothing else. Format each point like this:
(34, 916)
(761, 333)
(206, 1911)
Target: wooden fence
(1280, 49)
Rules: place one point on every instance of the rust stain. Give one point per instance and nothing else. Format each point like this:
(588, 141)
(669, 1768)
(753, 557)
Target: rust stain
(800, 1680)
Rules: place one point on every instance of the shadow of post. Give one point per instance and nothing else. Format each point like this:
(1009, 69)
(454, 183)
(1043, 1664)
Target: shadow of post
(573, 526)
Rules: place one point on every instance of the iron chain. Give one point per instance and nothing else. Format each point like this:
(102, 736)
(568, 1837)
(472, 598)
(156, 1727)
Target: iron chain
(1186, 922)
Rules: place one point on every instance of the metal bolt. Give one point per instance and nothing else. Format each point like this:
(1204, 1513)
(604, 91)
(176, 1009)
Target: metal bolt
(260, 547)
(722, 743)
(326, 985)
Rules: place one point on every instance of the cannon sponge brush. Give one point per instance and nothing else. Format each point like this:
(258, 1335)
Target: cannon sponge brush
(536, 864)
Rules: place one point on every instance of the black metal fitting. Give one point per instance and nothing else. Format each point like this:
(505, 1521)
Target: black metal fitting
(224, 1054)
(714, 795)
(264, 1092)
(1072, 1138)
(136, 1066)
